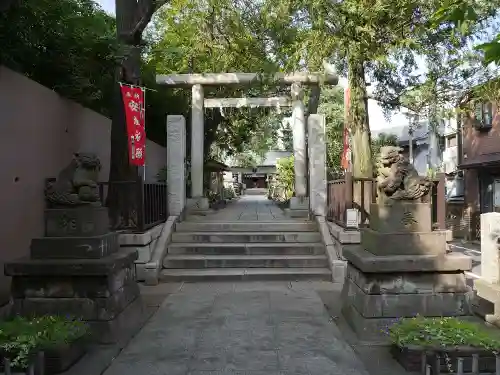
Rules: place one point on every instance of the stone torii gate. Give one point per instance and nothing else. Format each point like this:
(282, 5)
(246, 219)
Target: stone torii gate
(176, 130)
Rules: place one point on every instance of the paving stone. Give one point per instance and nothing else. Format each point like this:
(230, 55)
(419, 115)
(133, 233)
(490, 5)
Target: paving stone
(208, 340)
(289, 362)
(209, 359)
(149, 368)
(252, 359)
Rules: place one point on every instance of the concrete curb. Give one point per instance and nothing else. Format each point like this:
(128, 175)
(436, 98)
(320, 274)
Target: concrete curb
(344, 236)
(153, 267)
(337, 265)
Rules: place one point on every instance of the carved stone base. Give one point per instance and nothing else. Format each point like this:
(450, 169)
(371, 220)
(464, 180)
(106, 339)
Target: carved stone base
(96, 290)
(414, 243)
(125, 324)
(489, 292)
(70, 267)
(75, 247)
(88, 309)
(76, 222)
(370, 263)
(379, 289)
(401, 216)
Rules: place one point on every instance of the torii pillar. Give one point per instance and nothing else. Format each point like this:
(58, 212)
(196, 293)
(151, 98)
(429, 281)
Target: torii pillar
(198, 200)
(196, 83)
(299, 201)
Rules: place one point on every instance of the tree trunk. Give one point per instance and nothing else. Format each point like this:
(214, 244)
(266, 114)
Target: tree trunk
(358, 121)
(362, 165)
(122, 197)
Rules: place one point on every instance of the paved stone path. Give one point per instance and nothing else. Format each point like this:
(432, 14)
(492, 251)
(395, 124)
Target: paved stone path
(242, 328)
(247, 208)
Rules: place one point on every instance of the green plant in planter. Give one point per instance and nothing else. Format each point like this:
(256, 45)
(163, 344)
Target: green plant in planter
(229, 192)
(212, 196)
(442, 332)
(61, 331)
(21, 338)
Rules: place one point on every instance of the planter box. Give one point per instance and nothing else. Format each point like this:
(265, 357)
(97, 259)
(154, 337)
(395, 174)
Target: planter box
(53, 361)
(410, 357)
(60, 359)
(35, 368)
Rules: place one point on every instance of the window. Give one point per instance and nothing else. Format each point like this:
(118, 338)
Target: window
(483, 112)
(451, 140)
(478, 111)
(488, 114)
(496, 195)
(441, 142)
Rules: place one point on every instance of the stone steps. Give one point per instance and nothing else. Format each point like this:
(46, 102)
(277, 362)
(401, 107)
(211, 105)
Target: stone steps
(210, 248)
(195, 261)
(255, 191)
(246, 237)
(257, 226)
(228, 274)
(246, 250)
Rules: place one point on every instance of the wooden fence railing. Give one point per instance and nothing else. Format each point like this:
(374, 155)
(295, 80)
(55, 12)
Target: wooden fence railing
(469, 361)
(142, 205)
(354, 192)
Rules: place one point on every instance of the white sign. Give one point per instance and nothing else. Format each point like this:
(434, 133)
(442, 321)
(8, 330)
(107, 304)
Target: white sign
(352, 218)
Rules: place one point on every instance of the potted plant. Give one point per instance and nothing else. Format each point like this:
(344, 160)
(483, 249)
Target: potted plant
(64, 342)
(20, 343)
(49, 343)
(417, 341)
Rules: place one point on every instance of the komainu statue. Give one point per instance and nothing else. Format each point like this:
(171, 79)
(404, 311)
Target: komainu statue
(397, 178)
(76, 184)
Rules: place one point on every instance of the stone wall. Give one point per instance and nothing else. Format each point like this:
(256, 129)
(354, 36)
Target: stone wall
(40, 132)
(145, 244)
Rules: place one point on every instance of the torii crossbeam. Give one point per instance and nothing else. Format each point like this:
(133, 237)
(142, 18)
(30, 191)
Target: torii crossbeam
(197, 81)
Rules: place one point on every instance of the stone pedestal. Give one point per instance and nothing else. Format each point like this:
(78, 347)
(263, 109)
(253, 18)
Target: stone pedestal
(78, 271)
(403, 228)
(81, 222)
(488, 287)
(299, 140)
(176, 164)
(197, 139)
(317, 164)
(402, 269)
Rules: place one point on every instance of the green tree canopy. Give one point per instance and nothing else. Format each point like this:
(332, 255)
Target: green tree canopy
(68, 46)
(216, 36)
(71, 47)
(377, 40)
(332, 106)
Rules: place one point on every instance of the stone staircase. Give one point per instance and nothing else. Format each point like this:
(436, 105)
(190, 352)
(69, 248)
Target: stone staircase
(202, 251)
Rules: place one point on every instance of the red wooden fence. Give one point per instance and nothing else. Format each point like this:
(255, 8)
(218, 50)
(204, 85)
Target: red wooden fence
(354, 192)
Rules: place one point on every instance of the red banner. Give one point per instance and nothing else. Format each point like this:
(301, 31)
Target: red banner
(346, 154)
(133, 100)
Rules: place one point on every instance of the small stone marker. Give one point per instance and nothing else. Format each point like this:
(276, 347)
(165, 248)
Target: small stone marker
(490, 254)
(488, 286)
(352, 218)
